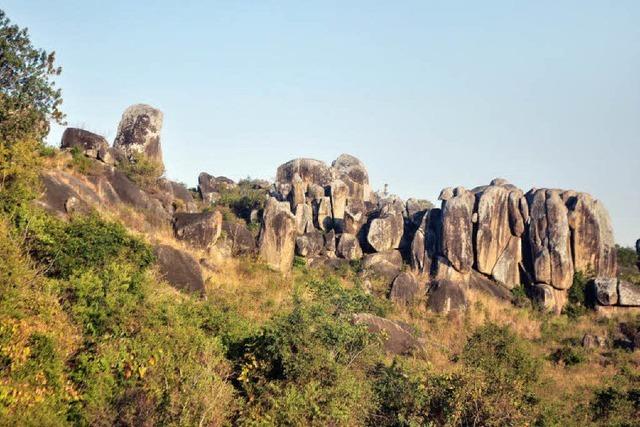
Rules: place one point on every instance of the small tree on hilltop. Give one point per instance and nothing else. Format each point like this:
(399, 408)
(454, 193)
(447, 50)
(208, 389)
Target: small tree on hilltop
(28, 96)
(29, 100)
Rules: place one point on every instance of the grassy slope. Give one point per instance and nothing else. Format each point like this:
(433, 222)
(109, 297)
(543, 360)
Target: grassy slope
(277, 349)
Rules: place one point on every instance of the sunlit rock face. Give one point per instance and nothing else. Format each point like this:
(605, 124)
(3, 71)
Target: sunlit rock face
(139, 132)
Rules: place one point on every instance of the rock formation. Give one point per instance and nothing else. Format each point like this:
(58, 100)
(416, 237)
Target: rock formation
(139, 132)
(277, 236)
(491, 238)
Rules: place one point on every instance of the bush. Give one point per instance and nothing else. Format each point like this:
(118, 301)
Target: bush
(618, 403)
(141, 170)
(84, 243)
(569, 355)
(242, 199)
(578, 297)
(308, 367)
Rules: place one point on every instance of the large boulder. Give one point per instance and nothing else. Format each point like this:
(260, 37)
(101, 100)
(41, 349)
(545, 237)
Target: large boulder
(446, 297)
(238, 238)
(415, 209)
(386, 231)
(348, 247)
(405, 289)
(355, 216)
(201, 230)
(304, 218)
(339, 192)
(179, 268)
(549, 298)
(310, 244)
(628, 294)
(606, 290)
(426, 241)
(277, 235)
(353, 173)
(386, 264)
(309, 171)
(139, 132)
(550, 239)
(210, 186)
(89, 143)
(322, 213)
(398, 337)
(499, 224)
(592, 236)
(456, 242)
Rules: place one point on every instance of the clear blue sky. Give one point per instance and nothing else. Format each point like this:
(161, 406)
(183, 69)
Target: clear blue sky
(427, 94)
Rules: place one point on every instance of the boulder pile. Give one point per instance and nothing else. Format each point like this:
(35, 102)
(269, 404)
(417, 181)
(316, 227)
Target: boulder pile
(492, 238)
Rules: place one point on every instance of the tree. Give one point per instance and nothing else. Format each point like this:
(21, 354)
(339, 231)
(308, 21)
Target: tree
(28, 101)
(28, 96)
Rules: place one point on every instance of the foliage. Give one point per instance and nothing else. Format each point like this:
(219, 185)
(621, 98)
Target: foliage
(143, 171)
(242, 198)
(569, 355)
(578, 297)
(19, 167)
(618, 403)
(307, 367)
(28, 97)
(86, 242)
(628, 263)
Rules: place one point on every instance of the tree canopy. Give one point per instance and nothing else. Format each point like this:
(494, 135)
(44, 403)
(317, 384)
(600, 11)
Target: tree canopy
(29, 99)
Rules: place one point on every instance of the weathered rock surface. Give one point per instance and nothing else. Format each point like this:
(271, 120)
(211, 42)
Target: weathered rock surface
(89, 143)
(139, 132)
(385, 232)
(628, 294)
(592, 236)
(355, 216)
(201, 230)
(179, 268)
(238, 238)
(426, 241)
(446, 296)
(310, 244)
(348, 247)
(398, 337)
(210, 186)
(322, 214)
(383, 264)
(339, 193)
(353, 173)
(456, 243)
(500, 224)
(405, 289)
(304, 218)
(549, 239)
(606, 290)
(309, 171)
(549, 298)
(277, 235)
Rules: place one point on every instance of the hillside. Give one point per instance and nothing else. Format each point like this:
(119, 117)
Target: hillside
(128, 299)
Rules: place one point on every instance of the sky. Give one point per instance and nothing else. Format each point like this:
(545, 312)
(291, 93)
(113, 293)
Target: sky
(427, 94)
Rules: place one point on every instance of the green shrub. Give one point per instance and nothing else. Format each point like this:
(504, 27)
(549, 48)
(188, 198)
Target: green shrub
(307, 367)
(503, 356)
(618, 403)
(242, 199)
(578, 298)
(141, 170)
(569, 355)
(86, 242)
(81, 163)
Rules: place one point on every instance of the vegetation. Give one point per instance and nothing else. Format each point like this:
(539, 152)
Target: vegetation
(141, 170)
(90, 335)
(242, 199)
